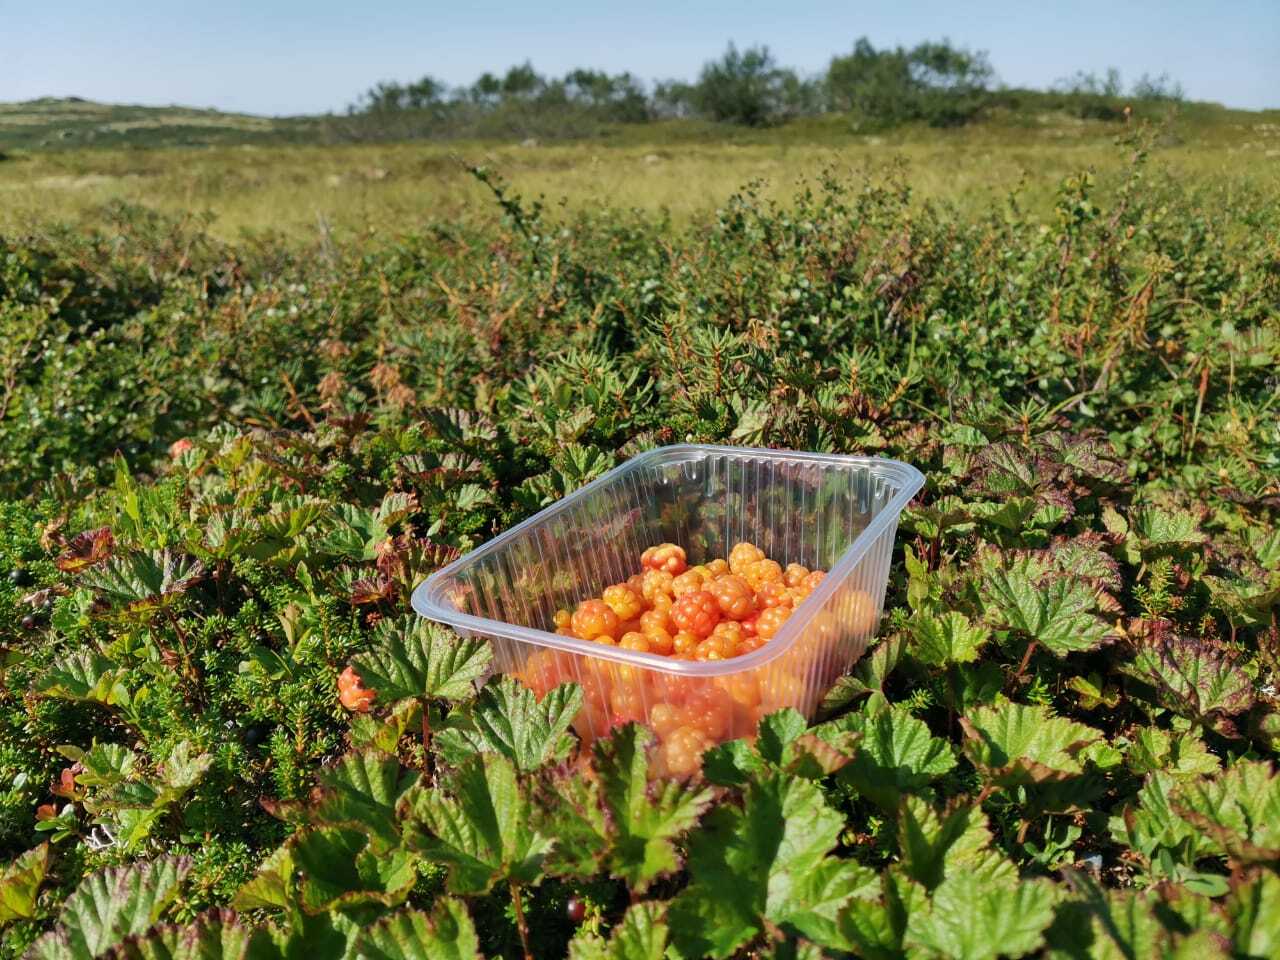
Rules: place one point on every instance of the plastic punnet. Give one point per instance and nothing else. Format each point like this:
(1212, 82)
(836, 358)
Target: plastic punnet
(838, 513)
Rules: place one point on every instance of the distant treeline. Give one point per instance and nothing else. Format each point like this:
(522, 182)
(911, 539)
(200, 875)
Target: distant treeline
(934, 83)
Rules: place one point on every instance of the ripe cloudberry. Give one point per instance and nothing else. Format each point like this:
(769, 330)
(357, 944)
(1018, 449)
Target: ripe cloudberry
(655, 620)
(770, 621)
(594, 619)
(665, 556)
(715, 647)
(684, 643)
(794, 573)
(623, 601)
(634, 641)
(742, 556)
(681, 754)
(660, 640)
(687, 582)
(734, 597)
(717, 568)
(696, 612)
(352, 692)
(763, 571)
(773, 594)
(656, 584)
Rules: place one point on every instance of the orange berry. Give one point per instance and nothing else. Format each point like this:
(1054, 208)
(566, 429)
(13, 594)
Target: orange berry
(562, 618)
(684, 643)
(812, 580)
(665, 556)
(770, 621)
(743, 688)
(681, 754)
(794, 573)
(731, 630)
(761, 572)
(594, 619)
(749, 626)
(623, 601)
(687, 582)
(733, 595)
(717, 568)
(696, 612)
(352, 692)
(656, 584)
(773, 594)
(626, 704)
(665, 718)
(715, 647)
(634, 641)
(742, 556)
(636, 583)
(660, 641)
(655, 620)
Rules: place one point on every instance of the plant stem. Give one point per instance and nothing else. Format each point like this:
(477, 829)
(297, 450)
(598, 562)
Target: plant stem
(521, 927)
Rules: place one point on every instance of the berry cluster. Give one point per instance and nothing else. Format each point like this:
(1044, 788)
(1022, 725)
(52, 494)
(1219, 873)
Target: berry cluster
(717, 610)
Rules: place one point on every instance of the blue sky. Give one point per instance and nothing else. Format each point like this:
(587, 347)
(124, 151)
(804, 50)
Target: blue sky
(287, 56)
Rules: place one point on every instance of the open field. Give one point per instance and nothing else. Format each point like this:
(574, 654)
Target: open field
(230, 447)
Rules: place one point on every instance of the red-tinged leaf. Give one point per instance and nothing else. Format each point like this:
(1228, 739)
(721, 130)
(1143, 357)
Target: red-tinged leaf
(86, 549)
(372, 590)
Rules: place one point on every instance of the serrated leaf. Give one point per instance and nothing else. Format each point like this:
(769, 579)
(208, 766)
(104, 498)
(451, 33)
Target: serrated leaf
(1254, 909)
(641, 935)
(897, 753)
(110, 905)
(782, 743)
(1100, 924)
(1161, 529)
(19, 883)
(1238, 811)
(415, 658)
(273, 884)
(145, 579)
(105, 764)
(1152, 825)
(1191, 678)
(1013, 743)
(767, 862)
(949, 638)
(1059, 615)
(507, 718)
(934, 846)
(218, 935)
(362, 791)
(446, 933)
(85, 549)
(338, 869)
(1180, 755)
(483, 833)
(644, 818)
(969, 918)
(85, 675)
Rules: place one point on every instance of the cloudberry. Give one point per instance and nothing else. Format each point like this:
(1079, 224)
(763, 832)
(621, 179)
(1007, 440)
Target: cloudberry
(562, 618)
(684, 643)
(763, 571)
(696, 612)
(731, 630)
(666, 718)
(715, 647)
(655, 584)
(655, 620)
(734, 597)
(352, 692)
(812, 580)
(623, 601)
(773, 594)
(681, 754)
(717, 568)
(634, 641)
(742, 556)
(687, 582)
(665, 556)
(660, 640)
(771, 621)
(594, 619)
(794, 573)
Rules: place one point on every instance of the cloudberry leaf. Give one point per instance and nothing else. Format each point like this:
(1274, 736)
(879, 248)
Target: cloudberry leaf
(85, 549)
(1178, 754)
(339, 869)
(446, 933)
(19, 882)
(934, 846)
(1191, 678)
(86, 675)
(897, 753)
(1013, 743)
(146, 579)
(507, 718)
(272, 886)
(109, 906)
(782, 742)
(415, 658)
(362, 792)
(483, 832)
(1161, 531)
(1058, 615)
(1152, 826)
(949, 638)
(970, 918)
(1254, 909)
(641, 935)
(766, 862)
(1238, 812)
(569, 809)
(218, 935)
(644, 818)
(1100, 924)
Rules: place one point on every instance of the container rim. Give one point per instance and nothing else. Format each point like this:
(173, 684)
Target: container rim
(430, 598)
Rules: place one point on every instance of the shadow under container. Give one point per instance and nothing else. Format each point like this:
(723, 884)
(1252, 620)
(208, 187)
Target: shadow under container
(835, 513)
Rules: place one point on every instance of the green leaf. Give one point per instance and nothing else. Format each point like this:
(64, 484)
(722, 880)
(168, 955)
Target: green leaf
(641, 935)
(414, 658)
(1059, 616)
(218, 935)
(1153, 826)
(145, 579)
(507, 718)
(105, 764)
(1012, 743)
(110, 905)
(19, 882)
(273, 886)
(971, 918)
(339, 869)
(765, 862)
(781, 743)
(1191, 678)
(1101, 924)
(934, 846)
(950, 638)
(1181, 755)
(483, 833)
(1161, 530)
(1238, 811)
(897, 754)
(1254, 909)
(645, 818)
(85, 675)
(362, 792)
(446, 933)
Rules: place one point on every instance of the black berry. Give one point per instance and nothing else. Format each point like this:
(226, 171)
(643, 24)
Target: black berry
(19, 577)
(255, 734)
(28, 622)
(575, 909)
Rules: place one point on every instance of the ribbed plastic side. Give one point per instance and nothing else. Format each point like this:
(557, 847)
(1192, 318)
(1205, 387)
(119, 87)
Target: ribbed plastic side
(797, 508)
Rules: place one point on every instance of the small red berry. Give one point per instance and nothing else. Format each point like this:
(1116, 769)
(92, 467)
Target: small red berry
(576, 910)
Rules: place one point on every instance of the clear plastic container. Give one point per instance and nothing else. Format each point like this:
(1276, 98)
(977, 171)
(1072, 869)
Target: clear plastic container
(836, 513)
